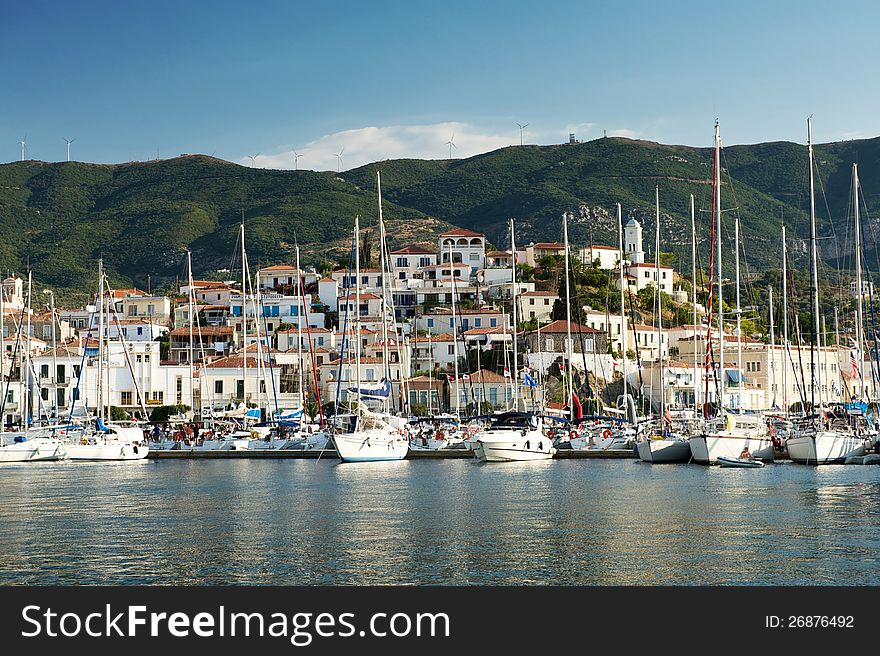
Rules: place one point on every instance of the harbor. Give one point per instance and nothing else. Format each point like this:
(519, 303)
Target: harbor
(424, 521)
(412, 454)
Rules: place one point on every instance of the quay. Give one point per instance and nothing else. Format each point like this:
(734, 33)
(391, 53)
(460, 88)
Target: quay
(415, 454)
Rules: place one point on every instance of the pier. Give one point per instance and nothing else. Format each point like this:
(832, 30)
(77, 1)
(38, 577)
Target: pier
(415, 454)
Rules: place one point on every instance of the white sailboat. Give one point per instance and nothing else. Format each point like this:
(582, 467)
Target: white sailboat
(825, 441)
(370, 436)
(727, 434)
(658, 445)
(515, 436)
(105, 441)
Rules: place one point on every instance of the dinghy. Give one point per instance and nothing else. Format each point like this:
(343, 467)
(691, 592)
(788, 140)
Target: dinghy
(724, 461)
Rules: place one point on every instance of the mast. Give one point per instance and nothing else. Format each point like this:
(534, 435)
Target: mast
(27, 355)
(816, 377)
(299, 318)
(785, 344)
(357, 305)
(568, 349)
(100, 389)
(454, 333)
(860, 289)
(739, 337)
(243, 320)
(623, 335)
(694, 299)
(189, 280)
(515, 369)
(385, 277)
(54, 356)
(659, 304)
(717, 190)
(772, 351)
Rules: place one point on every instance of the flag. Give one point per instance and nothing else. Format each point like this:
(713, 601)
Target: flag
(561, 368)
(465, 377)
(530, 381)
(854, 357)
(507, 372)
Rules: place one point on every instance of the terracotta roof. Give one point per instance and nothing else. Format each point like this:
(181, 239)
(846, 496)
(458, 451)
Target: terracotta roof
(487, 331)
(203, 330)
(327, 280)
(279, 267)
(604, 248)
(364, 296)
(549, 244)
(413, 250)
(484, 376)
(462, 232)
(440, 337)
(646, 265)
(560, 326)
(304, 330)
(539, 293)
(498, 254)
(232, 362)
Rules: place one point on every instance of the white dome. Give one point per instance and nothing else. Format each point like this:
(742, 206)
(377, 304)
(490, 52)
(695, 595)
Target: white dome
(633, 222)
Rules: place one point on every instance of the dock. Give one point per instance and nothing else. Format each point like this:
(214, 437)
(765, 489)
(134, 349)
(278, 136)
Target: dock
(414, 454)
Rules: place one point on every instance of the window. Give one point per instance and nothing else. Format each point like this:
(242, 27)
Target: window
(430, 323)
(138, 358)
(478, 322)
(370, 374)
(493, 323)
(180, 389)
(76, 371)
(147, 357)
(125, 398)
(451, 349)
(546, 301)
(548, 344)
(44, 393)
(132, 311)
(44, 371)
(531, 301)
(140, 330)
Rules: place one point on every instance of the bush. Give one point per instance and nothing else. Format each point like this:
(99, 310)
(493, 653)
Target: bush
(118, 414)
(164, 412)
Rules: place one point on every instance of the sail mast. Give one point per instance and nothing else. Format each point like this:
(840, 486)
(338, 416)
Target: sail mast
(659, 299)
(772, 359)
(100, 390)
(739, 337)
(243, 321)
(623, 340)
(192, 374)
(816, 378)
(717, 183)
(694, 300)
(785, 344)
(514, 372)
(568, 348)
(454, 327)
(859, 286)
(385, 278)
(357, 305)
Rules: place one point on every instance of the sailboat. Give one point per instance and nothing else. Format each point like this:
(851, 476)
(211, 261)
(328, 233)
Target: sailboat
(828, 438)
(658, 445)
(103, 441)
(515, 436)
(369, 435)
(29, 444)
(728, 434)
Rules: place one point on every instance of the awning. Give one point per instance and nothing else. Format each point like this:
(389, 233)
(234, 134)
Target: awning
(735, 376)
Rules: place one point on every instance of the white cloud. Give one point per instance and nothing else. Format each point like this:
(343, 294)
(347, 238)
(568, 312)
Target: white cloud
(372, 144)
(624, 132)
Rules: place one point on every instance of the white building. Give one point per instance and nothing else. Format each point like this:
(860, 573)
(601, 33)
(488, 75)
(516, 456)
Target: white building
(465, 246)
(537, 306)
(632, 242)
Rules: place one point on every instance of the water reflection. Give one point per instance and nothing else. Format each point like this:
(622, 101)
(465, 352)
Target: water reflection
(426, 522)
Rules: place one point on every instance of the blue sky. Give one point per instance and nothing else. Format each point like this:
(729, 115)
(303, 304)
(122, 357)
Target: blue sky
(387, 79)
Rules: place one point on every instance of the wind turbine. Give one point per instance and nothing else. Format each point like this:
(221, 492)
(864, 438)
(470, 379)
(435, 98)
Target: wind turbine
(339, 159)
(451, 144)
(522, 126)
(69, 141)
(296, 157)
(23, 142)
(253, 159)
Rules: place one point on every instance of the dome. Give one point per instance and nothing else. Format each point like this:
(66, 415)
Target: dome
(633, 223)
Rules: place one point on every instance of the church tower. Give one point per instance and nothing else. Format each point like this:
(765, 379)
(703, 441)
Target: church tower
(633, 242)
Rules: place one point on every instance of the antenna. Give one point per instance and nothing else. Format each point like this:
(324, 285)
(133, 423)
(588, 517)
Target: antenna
(451, 144)
(339, 159)
(69, 141)
(522, 126)
(296, 157)
(253, 159)
(23, 142)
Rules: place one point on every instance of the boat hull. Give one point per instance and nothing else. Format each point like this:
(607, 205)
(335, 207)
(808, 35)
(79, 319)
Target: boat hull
(370, 446)
(111, 451)
(706, 449)
(825, 448)
(513, 446)
(664, 451)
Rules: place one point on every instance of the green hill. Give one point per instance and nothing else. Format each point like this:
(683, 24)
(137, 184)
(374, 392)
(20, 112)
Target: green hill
(141, 216)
